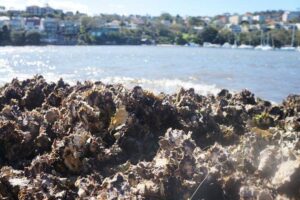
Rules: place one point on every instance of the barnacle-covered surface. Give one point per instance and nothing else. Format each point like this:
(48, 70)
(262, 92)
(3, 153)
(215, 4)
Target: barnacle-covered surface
(97, 141)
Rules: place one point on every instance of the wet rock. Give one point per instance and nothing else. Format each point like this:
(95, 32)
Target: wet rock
(292, 123)
(268, 161)
(52, 115)
(287, 178)
(245, 97)
(98, 141)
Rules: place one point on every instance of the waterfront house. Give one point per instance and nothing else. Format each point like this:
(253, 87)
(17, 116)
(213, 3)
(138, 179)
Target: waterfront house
(47, 10)
(289, 16)
(49, 26)
(247, 18)
(258, 18)
(233, 28)
(4, 21)
(39, 11)
(97, 32)
(33, 24)
(235, 19)
(67, 32)
(34, 10)
(69, 27)
(16, 23)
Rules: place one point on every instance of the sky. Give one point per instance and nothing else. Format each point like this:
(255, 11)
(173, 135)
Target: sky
(156, 7)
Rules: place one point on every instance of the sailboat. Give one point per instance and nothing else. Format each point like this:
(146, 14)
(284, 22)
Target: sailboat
(262, 46)
(259, 47)
(244, 46)
(267, 47)
(226, 45)
(290, 48)
(234, 46)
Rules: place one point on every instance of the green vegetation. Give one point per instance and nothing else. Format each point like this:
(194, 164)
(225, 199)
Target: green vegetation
(19, 38)
(163, 29)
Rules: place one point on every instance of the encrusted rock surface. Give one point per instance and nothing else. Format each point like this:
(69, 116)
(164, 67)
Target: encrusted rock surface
(97, 141)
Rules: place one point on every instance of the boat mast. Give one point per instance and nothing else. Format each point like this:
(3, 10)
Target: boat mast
(261, 38)
(293, 36)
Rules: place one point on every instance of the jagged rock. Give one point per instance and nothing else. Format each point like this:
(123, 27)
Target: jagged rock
(287, 178)
(98, 141)
(268, 161)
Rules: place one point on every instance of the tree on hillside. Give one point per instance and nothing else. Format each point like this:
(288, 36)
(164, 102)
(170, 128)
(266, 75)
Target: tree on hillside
(196, 21)
(209, 34)
(180, 40)
(281, 37)
(5, 36)
(32, 38)
(17, 37)
(166, 16)
(225, 36)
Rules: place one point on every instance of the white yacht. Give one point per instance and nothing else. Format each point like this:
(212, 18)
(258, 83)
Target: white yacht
(291, 47)
(192, 44)
(259, 47)
(226, 45)
(210, 45)
(288, 48)
(244, 46)
(234, 46)
(267, 48)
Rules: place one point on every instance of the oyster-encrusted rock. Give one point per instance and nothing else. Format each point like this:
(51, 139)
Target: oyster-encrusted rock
(98, 141)
(287, 178)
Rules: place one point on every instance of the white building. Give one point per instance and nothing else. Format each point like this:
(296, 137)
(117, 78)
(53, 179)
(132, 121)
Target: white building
(288, 16)
(233, 28)
(49, 26)
(33, 24)
(4, 21)
(114, 24)
(166, 22)
(247, 18)
(258, 18)
(2, 9)
(235, 19)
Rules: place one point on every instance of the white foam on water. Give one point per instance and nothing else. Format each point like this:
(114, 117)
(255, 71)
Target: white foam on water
(162, 85)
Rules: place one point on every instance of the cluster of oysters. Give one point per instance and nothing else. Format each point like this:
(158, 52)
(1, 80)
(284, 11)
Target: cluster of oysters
(97, 141)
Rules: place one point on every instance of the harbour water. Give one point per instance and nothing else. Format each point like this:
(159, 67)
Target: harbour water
(271, 75)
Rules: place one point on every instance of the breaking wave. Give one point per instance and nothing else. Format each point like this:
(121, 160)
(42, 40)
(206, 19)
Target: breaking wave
(162, 85)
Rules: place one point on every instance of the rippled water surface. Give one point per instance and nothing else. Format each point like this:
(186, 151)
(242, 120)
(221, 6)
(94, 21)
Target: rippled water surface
(271, 75)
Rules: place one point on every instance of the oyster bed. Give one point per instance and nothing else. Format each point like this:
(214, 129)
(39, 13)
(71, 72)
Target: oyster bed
(97, 141)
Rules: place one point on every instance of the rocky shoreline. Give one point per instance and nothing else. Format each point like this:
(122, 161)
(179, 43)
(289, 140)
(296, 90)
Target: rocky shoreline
(97, 141)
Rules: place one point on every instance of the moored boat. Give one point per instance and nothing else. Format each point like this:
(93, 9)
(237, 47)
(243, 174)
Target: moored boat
(244, 46)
